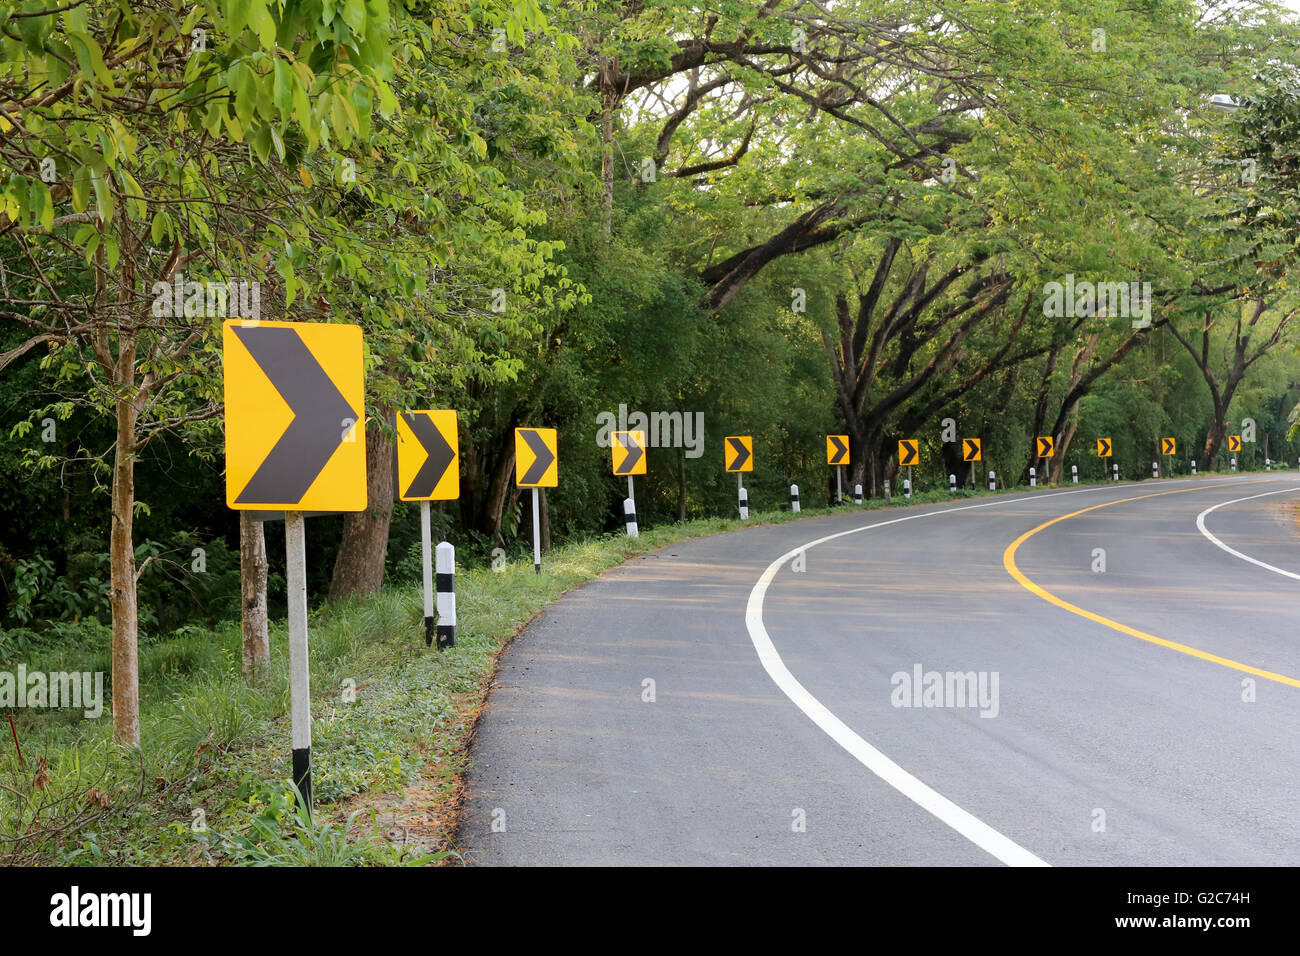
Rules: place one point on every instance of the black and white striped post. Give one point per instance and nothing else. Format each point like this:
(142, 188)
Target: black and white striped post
(446, 595)
(426, 566)
(907, 488)
(857, 494)
(952, 484)
(295, 544)
(1115, 472)
(993, 481)
(1155, 469)
(537, 535)
(794, 498)
(629, 510)
(1033, 477)
(1074, 473)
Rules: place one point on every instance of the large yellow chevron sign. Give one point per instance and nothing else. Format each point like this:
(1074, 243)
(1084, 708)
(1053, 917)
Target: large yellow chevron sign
(295, 416)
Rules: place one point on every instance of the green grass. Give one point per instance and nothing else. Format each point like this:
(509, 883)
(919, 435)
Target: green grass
(209, 786)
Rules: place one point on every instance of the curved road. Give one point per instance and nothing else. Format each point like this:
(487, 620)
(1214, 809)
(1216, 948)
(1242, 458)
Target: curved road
(1144, 714)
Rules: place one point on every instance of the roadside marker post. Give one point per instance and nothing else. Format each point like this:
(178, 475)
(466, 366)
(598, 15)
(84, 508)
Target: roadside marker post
(536, 466)
(794, 498)
(295, 443)
(428, 469)
(446, 594)
(857, 494)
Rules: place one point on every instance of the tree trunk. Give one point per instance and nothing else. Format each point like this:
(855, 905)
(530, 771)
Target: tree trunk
(1218, 429)
(359, 567)
(252, 588)
(122, 593)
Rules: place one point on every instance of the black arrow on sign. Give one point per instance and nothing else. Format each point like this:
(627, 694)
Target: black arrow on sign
(319, 410)
(972, 449)
(543, 456)
(742, 453)
(634, 453)
(1105, 447)
(841, 449)
(439, 455)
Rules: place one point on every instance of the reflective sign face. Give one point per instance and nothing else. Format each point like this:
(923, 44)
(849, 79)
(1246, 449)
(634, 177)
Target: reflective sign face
(628, 450)
(1046, 446)
(1168, 446)
(909, 452)
(428, 467)
(1103, 448)
(970, 449)
(536, 459)
(1234, 443)
(738, 452)
(837, 449)
(295, 416)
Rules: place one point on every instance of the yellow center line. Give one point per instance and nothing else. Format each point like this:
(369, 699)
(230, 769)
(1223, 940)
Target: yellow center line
(1009, 562)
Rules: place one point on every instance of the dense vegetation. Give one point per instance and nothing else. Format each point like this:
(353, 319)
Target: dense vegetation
(783, 219)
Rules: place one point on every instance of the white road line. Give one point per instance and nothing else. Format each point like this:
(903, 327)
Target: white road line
(1200, 524)
(924, 796)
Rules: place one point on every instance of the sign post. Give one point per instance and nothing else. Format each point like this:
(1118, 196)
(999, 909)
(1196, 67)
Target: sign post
(738, 456)
(295, 443)
(428, 469)
(1046, 447)
(1168, 448)
(536, 466)
(628, 452)
(972, 452)
(837, 455)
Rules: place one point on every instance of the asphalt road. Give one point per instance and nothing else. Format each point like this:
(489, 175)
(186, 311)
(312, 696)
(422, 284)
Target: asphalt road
(1146, 714)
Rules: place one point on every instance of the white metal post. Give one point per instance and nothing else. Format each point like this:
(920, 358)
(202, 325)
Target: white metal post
(295, 545)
